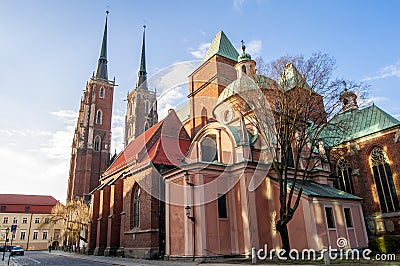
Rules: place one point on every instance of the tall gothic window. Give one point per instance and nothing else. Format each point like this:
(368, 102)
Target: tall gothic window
(97, 143)
(209, 149)
(343, 169)
(101, 93)
(146, 107)
(135, 206)
(99, 117)
(385, 188)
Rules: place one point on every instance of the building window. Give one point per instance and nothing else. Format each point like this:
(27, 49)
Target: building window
(99, 117)
(3, 208)
(347, 216)
(15, 220)
(222, 209)
(97, 143)
(46, 220)
(209, 149)
(24, 220)
(329, 217)
(37, 220)
(35, 235)
(383, 178)
(101, 93)
(343, 169)
(136, 206)
(44, 235)
(244, 69)
(22, 235)
(27, 208)
(5, 220)
(146, 107)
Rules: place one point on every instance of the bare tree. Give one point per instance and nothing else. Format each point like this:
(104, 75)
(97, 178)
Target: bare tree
(294, 118)
(73, 218)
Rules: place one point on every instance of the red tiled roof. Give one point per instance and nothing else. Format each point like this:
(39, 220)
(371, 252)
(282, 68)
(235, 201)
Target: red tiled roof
(164, 143)
(27, 199)
(18, 203)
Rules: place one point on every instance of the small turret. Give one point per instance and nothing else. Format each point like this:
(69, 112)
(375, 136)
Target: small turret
(245, 65)
(349, 100)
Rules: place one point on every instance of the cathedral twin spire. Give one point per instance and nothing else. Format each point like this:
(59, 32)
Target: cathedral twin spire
(101, 71)
(142, 75)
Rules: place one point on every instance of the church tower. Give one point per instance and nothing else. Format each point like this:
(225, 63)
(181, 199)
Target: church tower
(91, 144)
(141, 107)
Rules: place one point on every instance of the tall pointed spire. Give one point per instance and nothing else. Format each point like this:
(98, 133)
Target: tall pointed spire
(101, 71)
(142, 75)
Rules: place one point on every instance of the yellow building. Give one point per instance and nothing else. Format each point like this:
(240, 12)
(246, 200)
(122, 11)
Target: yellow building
(30, 214)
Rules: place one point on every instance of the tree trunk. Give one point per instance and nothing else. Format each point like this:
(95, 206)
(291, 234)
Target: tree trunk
(283, 232)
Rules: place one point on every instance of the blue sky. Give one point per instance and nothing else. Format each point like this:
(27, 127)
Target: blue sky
(50, 48)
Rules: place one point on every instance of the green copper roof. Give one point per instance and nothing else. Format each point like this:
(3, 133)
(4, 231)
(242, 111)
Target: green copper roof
(359, 123)
(223, 47)
(291, 78)
(244, 56)
(184, 113)
(312, 188)
(235, 130)
(244, 83)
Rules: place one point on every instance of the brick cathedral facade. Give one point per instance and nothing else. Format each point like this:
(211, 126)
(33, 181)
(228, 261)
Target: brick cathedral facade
(90, 154)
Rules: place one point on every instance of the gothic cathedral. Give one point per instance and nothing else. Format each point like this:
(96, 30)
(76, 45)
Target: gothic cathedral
(90, 154)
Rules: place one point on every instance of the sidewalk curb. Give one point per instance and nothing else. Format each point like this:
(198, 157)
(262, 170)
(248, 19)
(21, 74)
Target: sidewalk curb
(85, 258)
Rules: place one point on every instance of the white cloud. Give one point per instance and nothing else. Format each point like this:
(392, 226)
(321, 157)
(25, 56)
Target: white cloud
(373, 99)
(201, 50)
(254, 48)
(172, 86)
(237, 4)
(387, 71)
(37, 161)
(67, 116)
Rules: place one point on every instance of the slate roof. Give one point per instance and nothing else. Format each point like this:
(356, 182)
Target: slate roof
(360, 123)
(221, 46)
(312, 188)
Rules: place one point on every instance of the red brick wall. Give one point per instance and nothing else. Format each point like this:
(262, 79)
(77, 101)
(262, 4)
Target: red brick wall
(363, 182)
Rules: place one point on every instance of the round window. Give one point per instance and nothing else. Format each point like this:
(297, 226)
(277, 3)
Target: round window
(227, 116)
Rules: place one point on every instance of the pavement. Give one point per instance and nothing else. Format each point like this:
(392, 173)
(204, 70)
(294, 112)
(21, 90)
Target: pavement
(5, 261)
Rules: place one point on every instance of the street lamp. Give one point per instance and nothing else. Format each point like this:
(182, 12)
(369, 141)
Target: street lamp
(188, 210)
(5, 241)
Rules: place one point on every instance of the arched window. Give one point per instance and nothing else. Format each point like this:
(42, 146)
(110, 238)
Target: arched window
(146, 125)
(385, 188)
(244, 69)
(135, 216)
(209, 149)
(343, 169)
(101, 93)
(97, 143)
(146, 107)
(99, 117)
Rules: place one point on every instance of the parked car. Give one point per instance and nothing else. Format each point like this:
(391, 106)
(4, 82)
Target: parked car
(18, 250)
(7, 248)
